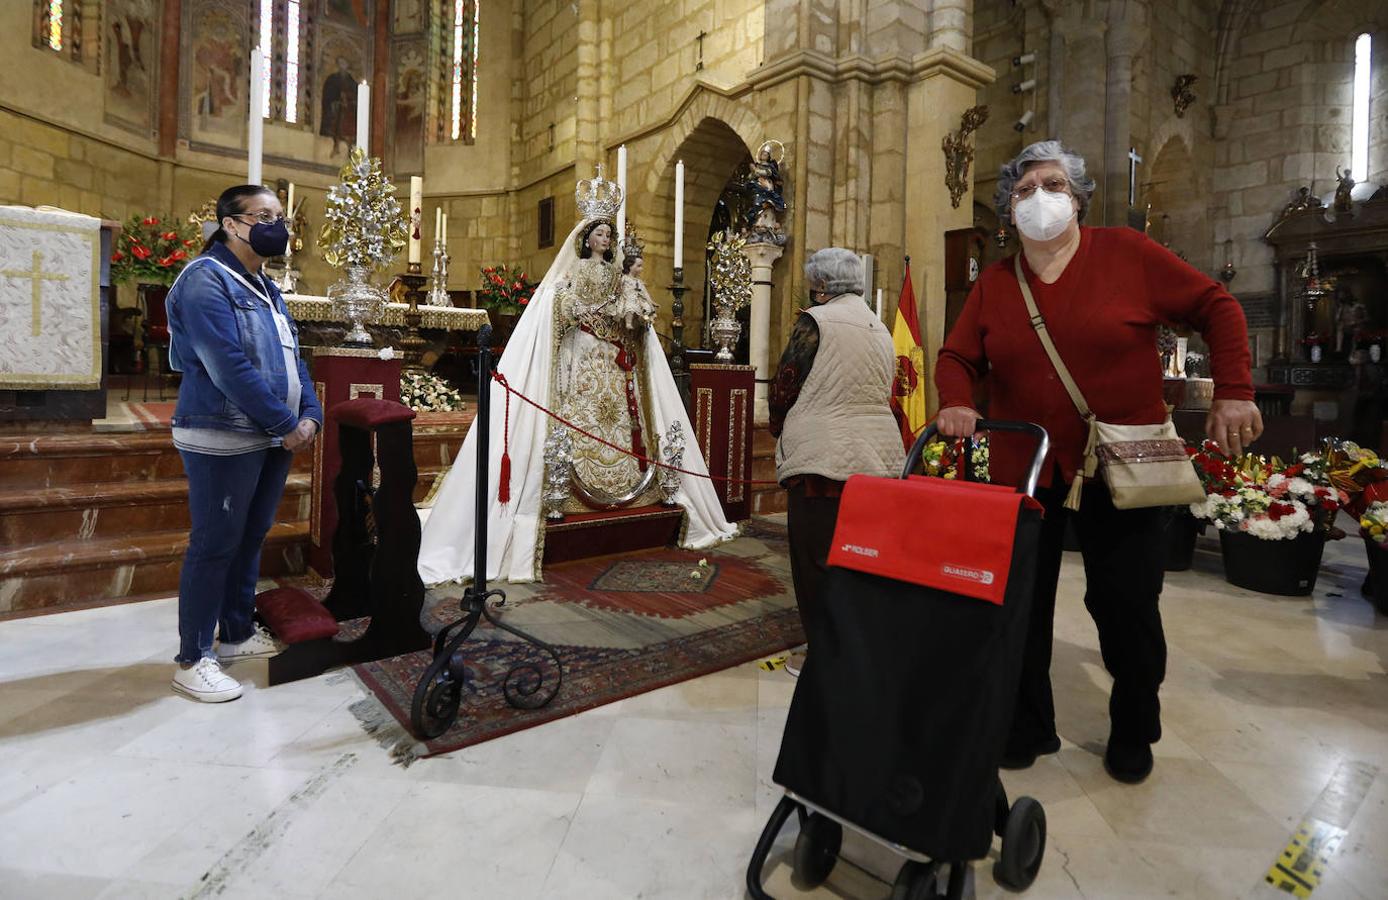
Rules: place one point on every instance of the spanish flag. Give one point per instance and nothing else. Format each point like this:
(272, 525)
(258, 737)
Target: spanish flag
(908, 400)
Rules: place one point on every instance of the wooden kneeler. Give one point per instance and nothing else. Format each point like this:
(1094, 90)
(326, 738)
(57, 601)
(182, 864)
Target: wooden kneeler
(375, 547)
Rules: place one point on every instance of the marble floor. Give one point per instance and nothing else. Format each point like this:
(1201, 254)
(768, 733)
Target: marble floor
(113, 786)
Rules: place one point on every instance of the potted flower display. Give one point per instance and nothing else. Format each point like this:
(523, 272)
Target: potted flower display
(1273, 519)
(427, 392)
(945, 459)
(504, 293)
(150, 251)
(1373, 527)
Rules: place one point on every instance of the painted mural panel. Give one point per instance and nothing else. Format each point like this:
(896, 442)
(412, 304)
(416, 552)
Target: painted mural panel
(342, 64)
(356, 13)
(131, 70)
(408, 16)
(409, 91)
(217, 71)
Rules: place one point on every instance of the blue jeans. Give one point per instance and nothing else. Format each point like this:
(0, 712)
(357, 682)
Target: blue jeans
(232, 501)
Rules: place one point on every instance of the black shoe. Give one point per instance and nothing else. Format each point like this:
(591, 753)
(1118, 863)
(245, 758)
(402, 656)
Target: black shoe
(1127, 762)
(1024, 759)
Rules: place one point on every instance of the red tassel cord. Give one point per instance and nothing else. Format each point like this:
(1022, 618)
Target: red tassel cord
(503, 491)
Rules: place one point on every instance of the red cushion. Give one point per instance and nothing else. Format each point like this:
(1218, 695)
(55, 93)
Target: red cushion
(294, 615)
(368, 413)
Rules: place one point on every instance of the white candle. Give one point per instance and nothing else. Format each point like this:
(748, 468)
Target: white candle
(879, 303)
(255, 133)
(364, 116)
(416, 216)
(289, 213)
(679, 214)
(622, 183)
(445, 228)
(438, 224)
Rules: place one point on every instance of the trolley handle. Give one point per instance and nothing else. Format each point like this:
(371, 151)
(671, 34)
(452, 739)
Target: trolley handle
(1043, 446)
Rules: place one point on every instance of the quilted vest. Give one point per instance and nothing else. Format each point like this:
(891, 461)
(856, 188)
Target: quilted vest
(842, 423)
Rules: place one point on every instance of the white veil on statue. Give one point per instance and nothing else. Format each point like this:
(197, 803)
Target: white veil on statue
(513, 530)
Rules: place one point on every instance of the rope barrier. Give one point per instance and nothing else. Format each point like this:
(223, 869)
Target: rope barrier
(501, 380)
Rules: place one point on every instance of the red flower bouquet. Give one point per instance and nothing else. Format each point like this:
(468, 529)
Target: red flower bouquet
(151, 250)
(505, 289)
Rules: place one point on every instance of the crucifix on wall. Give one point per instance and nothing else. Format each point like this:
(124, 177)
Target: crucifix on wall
(1133, 161)
(700, 37)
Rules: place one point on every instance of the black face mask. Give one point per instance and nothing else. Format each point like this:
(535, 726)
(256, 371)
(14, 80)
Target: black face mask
(269, 239)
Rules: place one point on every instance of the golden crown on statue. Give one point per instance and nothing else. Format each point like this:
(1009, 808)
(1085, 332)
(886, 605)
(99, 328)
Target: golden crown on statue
(597, 197)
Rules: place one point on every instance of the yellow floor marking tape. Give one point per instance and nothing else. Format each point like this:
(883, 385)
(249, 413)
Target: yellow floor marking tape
(1302, 863)
(772, 664)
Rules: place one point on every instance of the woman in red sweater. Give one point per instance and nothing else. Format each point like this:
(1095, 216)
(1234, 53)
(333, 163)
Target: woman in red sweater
(1102, 292)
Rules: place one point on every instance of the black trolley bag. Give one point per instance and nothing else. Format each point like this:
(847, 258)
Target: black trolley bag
(902, 709)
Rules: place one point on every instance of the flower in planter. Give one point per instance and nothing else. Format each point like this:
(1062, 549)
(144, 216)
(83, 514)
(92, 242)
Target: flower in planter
(150, 250)
(1374, 522)
(940, 459)
(505, 290)
(425, 392)
(1264, 498)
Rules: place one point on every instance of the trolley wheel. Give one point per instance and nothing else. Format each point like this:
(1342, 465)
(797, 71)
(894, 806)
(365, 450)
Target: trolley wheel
(436, 699)
(816, 850)
(916, 881)
(1023, 845)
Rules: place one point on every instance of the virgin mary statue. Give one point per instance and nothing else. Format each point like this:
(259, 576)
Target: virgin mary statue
(585, 349)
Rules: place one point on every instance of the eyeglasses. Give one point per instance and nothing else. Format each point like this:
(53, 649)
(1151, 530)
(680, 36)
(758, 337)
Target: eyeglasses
(264, 218)
(1056, 185)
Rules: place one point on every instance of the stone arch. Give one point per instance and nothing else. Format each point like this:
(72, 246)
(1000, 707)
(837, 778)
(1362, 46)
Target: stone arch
(714, 136)
(1180, 207)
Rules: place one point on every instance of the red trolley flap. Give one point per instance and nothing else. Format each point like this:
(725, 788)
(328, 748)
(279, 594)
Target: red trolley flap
(948, 535)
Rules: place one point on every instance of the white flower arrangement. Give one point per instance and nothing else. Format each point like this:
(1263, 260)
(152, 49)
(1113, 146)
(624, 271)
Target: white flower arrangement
(423, 392)
(1279, 509)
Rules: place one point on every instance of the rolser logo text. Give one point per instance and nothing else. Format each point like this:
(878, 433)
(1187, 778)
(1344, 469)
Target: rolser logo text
(870, 552)
(982, 576)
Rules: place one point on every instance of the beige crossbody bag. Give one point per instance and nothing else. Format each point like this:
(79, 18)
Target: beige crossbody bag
(1143, 465)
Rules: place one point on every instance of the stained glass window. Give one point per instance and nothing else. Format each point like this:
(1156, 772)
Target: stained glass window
(291, 66)
(1359, 138)
(267, 43)
(55, 24)
(462, 69)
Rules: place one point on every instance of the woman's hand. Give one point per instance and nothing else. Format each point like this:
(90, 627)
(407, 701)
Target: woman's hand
(1234, 424)
(301, 438)
(957, 421)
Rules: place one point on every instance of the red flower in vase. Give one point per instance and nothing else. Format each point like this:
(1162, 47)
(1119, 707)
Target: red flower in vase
(151, 220)
(117, 256)
(140, 251)
(169, 235)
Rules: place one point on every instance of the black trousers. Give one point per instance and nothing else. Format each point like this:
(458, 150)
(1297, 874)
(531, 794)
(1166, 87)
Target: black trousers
(810, 531)
(1124, 557)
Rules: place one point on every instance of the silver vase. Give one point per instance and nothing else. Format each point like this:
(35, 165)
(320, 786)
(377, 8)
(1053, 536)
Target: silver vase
(725, 330)
(357, 301)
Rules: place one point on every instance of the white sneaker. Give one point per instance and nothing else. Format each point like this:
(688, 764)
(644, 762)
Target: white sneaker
(258, 645)
(206, 681)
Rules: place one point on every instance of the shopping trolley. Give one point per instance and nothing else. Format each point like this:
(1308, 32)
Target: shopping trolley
(903, 706)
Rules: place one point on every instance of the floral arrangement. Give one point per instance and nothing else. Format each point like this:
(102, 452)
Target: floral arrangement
(1373, 522)
(424, 392)
(363, 224)
(152, 250)
(505, 290)
(1266, 498)
(940, 459)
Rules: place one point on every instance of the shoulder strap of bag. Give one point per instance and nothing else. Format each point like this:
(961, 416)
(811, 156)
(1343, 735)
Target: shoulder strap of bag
(1038, 323)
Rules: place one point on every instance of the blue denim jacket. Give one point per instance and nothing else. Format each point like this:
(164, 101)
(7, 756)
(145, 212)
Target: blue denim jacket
(224, 341)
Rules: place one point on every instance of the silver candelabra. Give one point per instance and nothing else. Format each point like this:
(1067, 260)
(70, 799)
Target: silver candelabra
(438, 290)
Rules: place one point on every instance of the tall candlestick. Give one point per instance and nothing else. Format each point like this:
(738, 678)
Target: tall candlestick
(255, 132)
(679, 214)
(364, 116)
(622, 183)
(416, 216)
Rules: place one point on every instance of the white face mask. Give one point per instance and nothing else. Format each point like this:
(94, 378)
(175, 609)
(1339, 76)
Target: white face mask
(1044, 216)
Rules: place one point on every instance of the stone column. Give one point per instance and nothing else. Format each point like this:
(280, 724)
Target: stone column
(945, 85)
(763, 257)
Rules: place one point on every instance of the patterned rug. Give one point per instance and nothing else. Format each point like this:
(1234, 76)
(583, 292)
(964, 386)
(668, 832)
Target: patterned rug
(622, 626)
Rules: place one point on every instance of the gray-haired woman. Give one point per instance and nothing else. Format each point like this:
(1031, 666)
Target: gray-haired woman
(831, 411)
(1102, 293)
